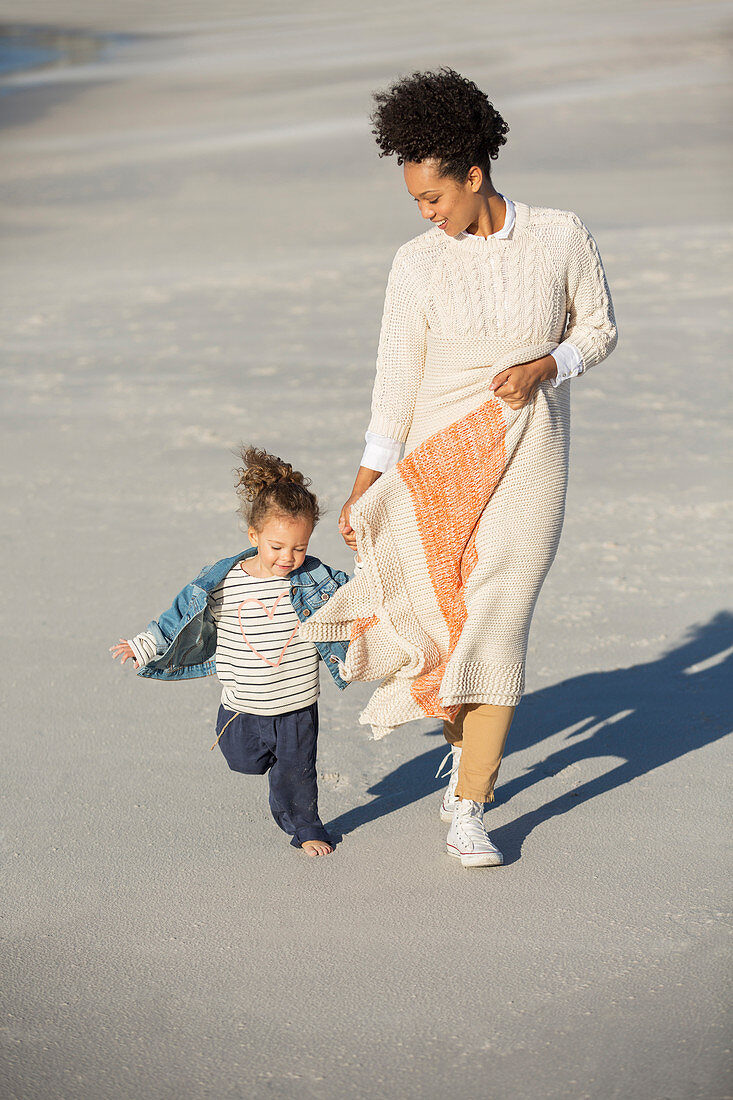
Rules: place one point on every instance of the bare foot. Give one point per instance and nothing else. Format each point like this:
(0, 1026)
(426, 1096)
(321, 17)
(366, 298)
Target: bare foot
(316, 848)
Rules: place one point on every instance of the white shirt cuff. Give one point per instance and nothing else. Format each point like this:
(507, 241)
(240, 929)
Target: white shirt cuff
(380, 453)
(143, 646)
(569, 362)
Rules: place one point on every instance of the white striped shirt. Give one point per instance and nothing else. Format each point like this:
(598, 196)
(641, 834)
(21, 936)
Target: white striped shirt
(264, 667)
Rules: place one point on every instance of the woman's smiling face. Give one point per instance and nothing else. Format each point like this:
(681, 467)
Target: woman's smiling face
(442, 200)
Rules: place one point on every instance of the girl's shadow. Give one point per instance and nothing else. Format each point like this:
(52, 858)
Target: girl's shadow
(647, 715)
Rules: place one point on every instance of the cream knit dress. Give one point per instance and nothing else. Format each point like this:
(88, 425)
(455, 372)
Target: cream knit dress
(457, 539)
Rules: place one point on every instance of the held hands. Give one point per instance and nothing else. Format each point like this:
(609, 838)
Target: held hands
(365, 478)
(516, 385)
(347, 531)
(123, 649)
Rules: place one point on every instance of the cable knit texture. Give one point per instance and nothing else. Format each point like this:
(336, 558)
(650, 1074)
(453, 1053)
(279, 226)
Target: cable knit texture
(457, 539)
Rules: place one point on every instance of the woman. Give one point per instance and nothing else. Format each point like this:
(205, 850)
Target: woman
(487, 316)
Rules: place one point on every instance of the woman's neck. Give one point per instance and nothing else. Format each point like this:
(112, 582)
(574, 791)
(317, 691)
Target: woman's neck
(491, 215)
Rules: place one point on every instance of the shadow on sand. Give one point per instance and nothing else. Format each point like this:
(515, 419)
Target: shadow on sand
(647, 715)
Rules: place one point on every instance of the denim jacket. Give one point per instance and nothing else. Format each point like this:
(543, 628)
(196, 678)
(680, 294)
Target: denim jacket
(186, 633)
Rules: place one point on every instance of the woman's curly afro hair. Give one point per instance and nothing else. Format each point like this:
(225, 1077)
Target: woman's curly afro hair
(439, 115)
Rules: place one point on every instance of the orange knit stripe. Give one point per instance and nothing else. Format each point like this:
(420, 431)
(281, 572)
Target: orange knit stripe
(451, 477)
(360, 626)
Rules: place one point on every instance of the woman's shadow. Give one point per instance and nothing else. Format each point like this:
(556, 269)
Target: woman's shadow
(647, 716)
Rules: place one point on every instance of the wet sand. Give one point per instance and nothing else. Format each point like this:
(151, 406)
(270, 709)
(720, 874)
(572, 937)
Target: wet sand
(196, 236)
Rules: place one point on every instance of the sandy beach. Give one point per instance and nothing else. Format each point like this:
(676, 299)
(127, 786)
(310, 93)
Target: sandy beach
(197, 232)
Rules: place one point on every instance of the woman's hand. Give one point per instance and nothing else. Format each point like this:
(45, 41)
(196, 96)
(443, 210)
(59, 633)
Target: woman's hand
(123, 649)
(347, 531)
(516, 385)
(365, 478)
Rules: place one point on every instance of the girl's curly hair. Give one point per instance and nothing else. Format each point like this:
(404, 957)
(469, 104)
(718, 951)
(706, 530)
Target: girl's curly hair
(265, 484)
(439, 115)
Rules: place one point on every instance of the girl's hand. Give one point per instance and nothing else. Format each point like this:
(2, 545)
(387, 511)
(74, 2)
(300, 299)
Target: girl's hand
(123, 649)
(516, 385)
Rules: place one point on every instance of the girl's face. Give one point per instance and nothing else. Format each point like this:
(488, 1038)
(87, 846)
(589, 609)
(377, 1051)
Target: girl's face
(281, 543)
(442, 200)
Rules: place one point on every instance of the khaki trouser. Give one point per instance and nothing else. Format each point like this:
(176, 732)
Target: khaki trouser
(480, 730)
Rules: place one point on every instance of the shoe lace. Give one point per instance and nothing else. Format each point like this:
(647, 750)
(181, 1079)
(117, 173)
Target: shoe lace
(471, 811)
(440, 774)
(469, 822)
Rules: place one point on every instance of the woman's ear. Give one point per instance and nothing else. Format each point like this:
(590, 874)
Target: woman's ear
(475, 178)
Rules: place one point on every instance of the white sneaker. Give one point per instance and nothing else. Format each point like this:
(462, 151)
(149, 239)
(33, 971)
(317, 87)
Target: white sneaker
(450, 801)
(468, 839)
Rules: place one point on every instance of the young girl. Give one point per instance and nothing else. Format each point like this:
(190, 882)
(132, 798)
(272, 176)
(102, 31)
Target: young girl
(240, 618)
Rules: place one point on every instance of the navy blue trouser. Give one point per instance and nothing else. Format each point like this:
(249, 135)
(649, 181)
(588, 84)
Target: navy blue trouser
(285, 745)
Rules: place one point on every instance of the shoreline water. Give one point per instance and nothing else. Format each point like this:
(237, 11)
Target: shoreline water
(27, 48)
